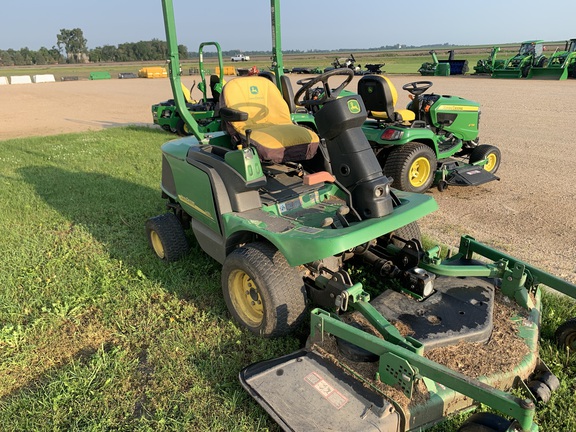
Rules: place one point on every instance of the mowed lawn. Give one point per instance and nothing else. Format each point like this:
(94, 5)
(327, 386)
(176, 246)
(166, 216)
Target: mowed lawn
(97, 334)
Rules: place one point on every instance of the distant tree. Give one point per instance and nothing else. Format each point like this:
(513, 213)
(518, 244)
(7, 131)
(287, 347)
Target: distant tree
(183, 52)
(18, 59)
(154, 50)
(26, 56)
(39, 58)
(73, 43)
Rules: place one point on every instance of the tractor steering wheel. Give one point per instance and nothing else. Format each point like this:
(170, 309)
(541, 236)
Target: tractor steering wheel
(326, 95)
(416, 88)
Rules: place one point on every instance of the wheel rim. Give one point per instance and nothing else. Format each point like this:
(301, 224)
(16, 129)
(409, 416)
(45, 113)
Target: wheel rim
(246, 298)
(157, 244)
(491, 161)
(419, 172)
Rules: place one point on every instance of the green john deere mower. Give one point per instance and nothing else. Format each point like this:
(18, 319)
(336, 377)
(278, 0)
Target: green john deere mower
(205, 111)
(288, 214)
(433, 141)
(529, 55)
(560, 66)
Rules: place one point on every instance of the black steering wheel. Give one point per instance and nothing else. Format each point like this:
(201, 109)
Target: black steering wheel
(417, 87)
(325, 96)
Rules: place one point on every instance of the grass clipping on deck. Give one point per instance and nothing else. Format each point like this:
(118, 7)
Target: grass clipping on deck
(503, 351)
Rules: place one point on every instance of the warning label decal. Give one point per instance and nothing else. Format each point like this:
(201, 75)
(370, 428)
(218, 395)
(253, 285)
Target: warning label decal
(328, 392)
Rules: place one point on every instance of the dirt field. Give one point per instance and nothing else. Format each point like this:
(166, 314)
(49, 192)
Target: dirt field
(530, 213)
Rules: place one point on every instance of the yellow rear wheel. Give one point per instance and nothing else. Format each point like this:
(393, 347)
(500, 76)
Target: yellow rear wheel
(412, 167)
(419, 172)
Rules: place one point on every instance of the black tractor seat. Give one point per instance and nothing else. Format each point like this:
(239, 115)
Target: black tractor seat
(380, 96)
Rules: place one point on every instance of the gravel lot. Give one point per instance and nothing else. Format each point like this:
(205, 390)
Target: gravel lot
(530, 213)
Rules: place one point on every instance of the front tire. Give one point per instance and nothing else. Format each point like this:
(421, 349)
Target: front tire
(488, 152)
(412, 167)
(407, 232)
(262, 291)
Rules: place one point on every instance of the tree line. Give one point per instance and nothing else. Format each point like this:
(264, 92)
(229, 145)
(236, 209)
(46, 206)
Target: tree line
(71, 47)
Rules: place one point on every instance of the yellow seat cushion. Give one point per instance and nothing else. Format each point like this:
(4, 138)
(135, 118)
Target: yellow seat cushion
(406, 115)
(276, 138)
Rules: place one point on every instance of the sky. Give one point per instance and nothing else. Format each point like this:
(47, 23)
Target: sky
(244, 25)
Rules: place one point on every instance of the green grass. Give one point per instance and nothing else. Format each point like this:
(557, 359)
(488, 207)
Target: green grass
(97, 334)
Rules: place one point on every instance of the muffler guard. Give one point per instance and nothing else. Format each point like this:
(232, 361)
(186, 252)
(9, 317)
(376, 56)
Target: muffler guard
(303, 391)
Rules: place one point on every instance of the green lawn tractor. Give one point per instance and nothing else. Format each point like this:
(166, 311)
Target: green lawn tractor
(529, 55)
(447, 67)
(293, 218)
(561, 64)
(205, 111)
(433, 141)
(486, 67)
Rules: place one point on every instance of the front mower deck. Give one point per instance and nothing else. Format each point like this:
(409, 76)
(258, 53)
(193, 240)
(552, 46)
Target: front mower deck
(320, 382)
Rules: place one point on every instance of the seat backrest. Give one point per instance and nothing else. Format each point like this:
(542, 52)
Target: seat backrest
(215, 87)
(287, 93)
(258, 97)
(378, 94)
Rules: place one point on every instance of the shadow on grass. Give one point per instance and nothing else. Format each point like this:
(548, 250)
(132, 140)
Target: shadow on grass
(114, 212)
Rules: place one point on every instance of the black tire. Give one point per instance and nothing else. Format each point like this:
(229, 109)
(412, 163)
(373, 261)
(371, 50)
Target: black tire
(182, 128)
(485, 422)
(166, 237)
(566, 335)
(262, 292)
(412, 167)
(486, 151)
(550, 380)
(525, 70)
(541, 391)
(407, 232)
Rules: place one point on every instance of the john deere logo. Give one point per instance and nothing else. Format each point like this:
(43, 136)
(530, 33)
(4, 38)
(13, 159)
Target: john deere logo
(253, 90)
(354, 106)
(370, 90)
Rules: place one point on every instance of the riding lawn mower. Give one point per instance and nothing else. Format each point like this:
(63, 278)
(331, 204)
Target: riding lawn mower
(294, 215)
(205, 111)
(433, 141)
